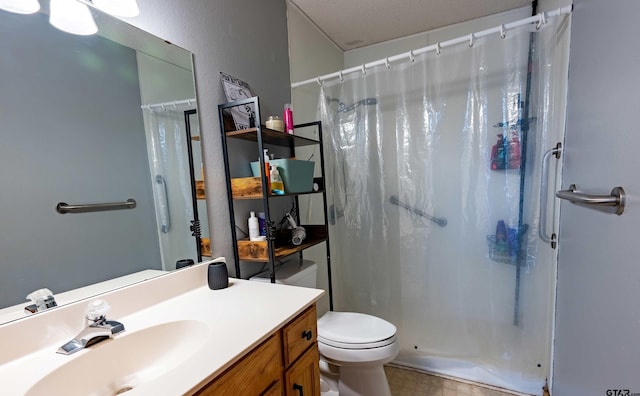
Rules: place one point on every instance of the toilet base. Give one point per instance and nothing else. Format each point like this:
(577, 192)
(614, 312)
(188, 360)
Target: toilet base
(329, 377)
(353, 381)
(363, 381)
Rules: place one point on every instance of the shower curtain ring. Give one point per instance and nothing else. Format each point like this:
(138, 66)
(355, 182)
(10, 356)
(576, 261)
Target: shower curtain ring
(341, 76)
(438, 49)
(364, 70)
(542, 21)
(386, 62)
(319, 81)
(163, 108)
(471, 37)
(411, 57)
(503, 32)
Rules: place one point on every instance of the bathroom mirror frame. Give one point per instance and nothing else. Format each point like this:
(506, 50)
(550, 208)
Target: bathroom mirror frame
(115, 33)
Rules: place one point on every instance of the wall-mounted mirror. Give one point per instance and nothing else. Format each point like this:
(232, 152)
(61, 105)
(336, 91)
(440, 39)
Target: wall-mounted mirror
(86, 120)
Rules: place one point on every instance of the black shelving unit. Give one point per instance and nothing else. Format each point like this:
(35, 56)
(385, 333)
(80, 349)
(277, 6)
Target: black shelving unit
(264, 138)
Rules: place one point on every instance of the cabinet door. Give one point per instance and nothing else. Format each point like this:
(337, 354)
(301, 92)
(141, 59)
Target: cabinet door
(275, 390)
(251, 375)
(303, 378)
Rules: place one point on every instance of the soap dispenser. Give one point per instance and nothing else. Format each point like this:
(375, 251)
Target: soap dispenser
(277, 186)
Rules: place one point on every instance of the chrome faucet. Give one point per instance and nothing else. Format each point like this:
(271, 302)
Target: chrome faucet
(42, 300)
(98, 329)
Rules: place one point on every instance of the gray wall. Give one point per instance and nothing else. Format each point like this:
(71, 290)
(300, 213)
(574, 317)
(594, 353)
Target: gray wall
(597, 345)
(245, 38)
(59, 146)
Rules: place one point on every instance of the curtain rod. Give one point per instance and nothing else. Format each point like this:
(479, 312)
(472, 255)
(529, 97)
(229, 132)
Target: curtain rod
(540, 19)
(174, 104)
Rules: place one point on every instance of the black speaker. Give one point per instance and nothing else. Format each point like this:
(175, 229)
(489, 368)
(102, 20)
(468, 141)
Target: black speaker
(218, 276)
(184, 263)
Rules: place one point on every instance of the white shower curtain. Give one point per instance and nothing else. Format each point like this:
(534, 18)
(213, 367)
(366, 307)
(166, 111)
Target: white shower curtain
(171, 183)
(418, 235)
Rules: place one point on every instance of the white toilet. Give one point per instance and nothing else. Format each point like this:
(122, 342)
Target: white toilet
(353, 346)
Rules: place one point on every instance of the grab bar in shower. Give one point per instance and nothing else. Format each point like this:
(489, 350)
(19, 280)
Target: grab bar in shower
(542, 229)
(63, 207)
(617, 199)
(166, 216)
(439, 221)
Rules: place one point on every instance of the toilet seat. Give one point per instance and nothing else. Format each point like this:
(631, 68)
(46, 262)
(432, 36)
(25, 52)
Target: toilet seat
(351, 330)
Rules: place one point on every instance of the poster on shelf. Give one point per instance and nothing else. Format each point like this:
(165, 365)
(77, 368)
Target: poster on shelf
(236, 89)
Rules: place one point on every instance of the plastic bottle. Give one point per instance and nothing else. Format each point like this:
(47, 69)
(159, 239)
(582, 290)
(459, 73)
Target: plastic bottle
(501, 237)
(514, 151)
(262, 222)
(254, 228)
(288, 119)
(267, 173)
(277, 186)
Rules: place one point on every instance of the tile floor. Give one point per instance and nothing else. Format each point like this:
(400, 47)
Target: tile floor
(407, 382)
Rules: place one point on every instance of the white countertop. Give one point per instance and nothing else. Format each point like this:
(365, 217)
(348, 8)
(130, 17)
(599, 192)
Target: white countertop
(238, 319)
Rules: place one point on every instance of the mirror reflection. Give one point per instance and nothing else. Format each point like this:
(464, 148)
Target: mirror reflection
(94, 119)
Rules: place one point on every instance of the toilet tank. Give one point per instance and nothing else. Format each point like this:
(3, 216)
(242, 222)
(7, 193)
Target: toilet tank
(293, 272)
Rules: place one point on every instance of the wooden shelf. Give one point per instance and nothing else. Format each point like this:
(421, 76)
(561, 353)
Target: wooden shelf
(258, 252)
(248, 197)
(251, 188)
(205, 247)
(200, 189)
(270, 136)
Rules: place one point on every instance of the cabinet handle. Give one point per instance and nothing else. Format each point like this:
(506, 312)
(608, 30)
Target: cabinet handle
(298, 388)
(307, 334)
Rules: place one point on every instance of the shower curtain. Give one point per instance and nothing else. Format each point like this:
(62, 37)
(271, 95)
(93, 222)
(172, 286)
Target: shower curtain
(433, 187)
(171, 183)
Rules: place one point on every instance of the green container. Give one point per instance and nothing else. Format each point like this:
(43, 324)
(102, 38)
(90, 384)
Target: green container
(297, 175)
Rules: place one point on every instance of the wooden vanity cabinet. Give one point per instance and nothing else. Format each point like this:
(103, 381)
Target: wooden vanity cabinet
(303, 377)
(286, 364)
(301, 359)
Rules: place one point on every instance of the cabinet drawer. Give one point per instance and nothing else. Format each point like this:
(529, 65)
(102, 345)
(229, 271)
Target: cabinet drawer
(299, 334)
(252, 375)
(303, 378)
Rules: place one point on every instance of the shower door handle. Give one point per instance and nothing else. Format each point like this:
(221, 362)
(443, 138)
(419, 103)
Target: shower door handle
(166, 216)
(544, 176)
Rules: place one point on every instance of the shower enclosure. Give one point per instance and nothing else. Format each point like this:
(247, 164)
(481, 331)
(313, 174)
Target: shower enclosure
(435, 168)
(170, 130)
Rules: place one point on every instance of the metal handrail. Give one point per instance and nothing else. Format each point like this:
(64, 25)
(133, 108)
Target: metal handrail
(166, 220)
(542, 214)
(616, 199)
(63, 207)
(442, 222)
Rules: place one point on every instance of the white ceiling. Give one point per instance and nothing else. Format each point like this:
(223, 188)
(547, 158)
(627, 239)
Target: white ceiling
(357, 23)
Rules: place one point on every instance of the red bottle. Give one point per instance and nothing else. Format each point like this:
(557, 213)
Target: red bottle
(514, 151)
(288, 119)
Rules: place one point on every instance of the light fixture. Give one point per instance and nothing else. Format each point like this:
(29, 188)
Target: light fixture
(121, 8)
(73, 17)
(20, 6)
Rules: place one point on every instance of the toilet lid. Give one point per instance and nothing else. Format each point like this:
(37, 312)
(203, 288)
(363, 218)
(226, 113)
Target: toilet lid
(350, 329)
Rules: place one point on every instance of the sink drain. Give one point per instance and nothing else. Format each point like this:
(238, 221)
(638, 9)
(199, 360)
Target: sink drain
(123, 390)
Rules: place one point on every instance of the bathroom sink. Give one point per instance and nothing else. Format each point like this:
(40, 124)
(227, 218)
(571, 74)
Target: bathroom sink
(115, 366)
